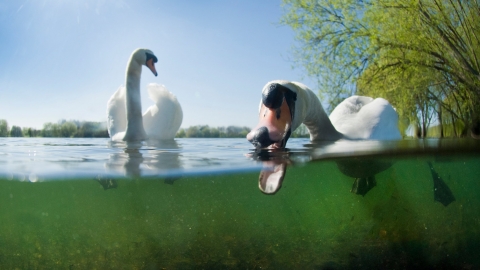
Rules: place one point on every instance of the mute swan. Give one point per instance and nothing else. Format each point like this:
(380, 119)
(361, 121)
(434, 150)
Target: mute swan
(285, 105)
(161, 121)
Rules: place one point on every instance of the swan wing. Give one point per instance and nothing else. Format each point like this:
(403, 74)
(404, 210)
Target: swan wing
(163, 119)
(349, 107)
(366, 118)
(116, 114)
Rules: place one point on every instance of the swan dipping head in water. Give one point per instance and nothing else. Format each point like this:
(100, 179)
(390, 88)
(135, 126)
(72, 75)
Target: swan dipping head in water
(125, 122)
(286, 105)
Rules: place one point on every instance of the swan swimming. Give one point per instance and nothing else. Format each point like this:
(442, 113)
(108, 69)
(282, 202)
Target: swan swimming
(125, 122)
(285, 105)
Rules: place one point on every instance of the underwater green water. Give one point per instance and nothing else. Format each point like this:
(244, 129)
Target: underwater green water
(223, 221)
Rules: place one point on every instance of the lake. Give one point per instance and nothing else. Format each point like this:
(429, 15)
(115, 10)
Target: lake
(199, 203)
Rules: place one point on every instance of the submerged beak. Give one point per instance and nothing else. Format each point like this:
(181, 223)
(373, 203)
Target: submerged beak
(271, 177)
(151, 65)
(273, 128)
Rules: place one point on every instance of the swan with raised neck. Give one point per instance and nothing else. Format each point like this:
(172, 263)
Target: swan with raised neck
(140, 57)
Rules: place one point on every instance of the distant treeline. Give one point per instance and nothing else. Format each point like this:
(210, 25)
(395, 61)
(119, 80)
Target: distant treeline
(86, 129)
(213, 132)
(205, 131)
(63, 128)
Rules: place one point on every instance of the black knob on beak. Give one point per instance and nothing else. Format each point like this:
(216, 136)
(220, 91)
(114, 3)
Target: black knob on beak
(261, 138)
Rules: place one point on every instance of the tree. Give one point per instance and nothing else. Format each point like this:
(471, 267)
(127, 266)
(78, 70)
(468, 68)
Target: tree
(3, 128)
(16, 131)
(87, 129)
(181, 133)
(30, 132)
(422, 55)
(50, 130)
(192, 132)
(68, 129)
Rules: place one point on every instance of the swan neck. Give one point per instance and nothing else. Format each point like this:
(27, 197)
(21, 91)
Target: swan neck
(135, 130)
(133, 74)
(311, 113)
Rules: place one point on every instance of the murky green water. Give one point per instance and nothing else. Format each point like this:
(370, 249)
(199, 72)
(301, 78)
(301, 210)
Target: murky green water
(223, 221)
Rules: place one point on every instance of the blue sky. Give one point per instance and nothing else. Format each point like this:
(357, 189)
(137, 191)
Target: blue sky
(63, 59)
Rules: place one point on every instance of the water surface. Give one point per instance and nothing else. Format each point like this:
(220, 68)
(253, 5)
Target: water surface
(196, 203)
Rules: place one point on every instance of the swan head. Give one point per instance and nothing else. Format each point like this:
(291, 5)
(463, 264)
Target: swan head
(146, 58)
(276, 115)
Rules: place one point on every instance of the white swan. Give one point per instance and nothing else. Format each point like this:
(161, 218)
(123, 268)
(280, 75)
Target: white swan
(161, 121)
(285, 105)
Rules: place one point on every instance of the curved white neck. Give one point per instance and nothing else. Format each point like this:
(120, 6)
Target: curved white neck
(309, 111)
(135, 130)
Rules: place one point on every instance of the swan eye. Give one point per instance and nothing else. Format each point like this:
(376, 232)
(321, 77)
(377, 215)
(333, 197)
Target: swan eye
(151, 56)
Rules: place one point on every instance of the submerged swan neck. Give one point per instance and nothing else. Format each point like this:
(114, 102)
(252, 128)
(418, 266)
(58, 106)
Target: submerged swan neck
(135, 130)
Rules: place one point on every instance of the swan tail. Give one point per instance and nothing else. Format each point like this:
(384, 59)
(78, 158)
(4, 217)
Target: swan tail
(366, 118)
(387, 127)
(116, 113)
(162, 120)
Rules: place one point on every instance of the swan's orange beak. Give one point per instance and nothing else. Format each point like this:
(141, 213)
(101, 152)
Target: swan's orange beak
(273, 128)
(151, 65)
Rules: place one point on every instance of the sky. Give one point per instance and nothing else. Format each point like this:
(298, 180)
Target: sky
(63, 59)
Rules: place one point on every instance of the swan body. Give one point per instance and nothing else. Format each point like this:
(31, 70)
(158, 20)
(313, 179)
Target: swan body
(365, 118)
(286, 105)
(125, 121)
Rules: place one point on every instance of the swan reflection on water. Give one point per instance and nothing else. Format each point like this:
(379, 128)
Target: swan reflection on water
(361, 160)
(136, 157)
(362, 169)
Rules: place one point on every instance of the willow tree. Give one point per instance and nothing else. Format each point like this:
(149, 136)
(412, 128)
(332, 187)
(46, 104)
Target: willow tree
(423, 55)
